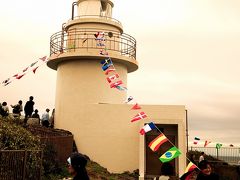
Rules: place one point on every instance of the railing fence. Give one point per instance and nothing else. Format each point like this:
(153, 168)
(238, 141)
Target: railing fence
(20, 165)
(230, 155)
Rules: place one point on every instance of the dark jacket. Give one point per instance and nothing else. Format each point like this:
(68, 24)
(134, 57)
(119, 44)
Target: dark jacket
(212, 176)
(28, 108)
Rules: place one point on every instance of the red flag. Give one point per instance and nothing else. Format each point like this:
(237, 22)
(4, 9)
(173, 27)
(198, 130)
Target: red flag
(43, 58)
(20, 76)
(136, 106)
(34, 70)
(112, 78)
(113, 85)
(139, 116)
(103, 52)
(110, 69)
(206, 143)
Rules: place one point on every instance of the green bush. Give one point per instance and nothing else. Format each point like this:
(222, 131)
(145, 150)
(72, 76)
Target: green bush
(15, 137)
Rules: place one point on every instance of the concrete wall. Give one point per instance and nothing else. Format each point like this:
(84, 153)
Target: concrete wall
(104, 132)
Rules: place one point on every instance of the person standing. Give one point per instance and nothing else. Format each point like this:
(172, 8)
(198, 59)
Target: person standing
(45, 118)
(192, 158)
(167, 172)
(77, 166)
(201, 157)
(28, 109)
(52, 119)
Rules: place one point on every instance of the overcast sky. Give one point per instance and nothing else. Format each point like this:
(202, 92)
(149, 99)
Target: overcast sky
(189, 50)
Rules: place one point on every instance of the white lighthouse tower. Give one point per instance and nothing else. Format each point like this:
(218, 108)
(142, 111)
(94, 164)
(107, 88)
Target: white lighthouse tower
(85, 104)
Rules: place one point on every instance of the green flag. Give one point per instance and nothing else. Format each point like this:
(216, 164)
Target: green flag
(218, 145)
(170, 154)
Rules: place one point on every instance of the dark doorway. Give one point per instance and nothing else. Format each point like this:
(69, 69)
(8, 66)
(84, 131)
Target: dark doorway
(153, 164)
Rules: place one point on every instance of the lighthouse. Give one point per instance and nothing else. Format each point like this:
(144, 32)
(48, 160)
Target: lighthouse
(96, 114)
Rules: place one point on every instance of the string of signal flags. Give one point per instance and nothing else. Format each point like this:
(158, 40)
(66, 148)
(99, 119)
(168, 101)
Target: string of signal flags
(197, 140)
(31, 68)
(113, 78)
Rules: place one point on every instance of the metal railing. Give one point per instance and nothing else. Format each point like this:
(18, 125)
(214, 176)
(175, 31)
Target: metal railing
(230, 155)
(96, 16)
(78, 38)
(20, 165)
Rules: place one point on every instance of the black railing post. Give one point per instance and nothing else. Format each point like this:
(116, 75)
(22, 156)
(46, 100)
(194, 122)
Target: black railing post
(73, 4)
(24, 165)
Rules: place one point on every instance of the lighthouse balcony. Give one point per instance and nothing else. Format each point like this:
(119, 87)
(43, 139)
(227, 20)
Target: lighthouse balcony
(77, 43)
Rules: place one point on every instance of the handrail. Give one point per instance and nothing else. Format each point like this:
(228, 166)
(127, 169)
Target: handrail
(79, 38)
(96, 16)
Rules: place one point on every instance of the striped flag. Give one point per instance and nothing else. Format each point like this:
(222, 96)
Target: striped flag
(196, 139)
(148, 127)
(157, 142)
(190, 167)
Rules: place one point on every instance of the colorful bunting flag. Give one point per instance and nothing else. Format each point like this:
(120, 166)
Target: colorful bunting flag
(43, 58)
(110, 69)
(6, 81)
(33, 64)
(112, 78)
(139, 116)
(100, 44)
(121, 88)
(106, 61)
(196, 139)
(206, 143)
(136, 106)
(103, 52)
(190, 167)
(34, 70)
(25, 69)
(157, 142)
(113, 85)
(148, 127)
(130, 98)
(20, 76)
(99, 36)
(170, 154)
(218, 146)
(106, 66)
